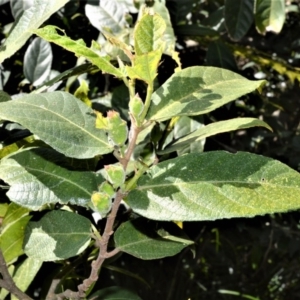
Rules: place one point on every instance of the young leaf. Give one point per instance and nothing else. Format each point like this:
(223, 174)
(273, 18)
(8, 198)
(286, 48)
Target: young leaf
(238, 17)
(198, 90)
(36, 179)
(26, 273)
(145, 66)
(60, 120)
(136, 238)
(38, 61)
(269, 15)
(215, 185)
(12, 232)
(212, 129)
(79, 48)
(58, 235)
(148, 34)
(30, 20)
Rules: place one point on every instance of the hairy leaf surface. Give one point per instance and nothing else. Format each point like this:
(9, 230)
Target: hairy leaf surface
(36, 179)
(198, 90)
(58, 235)
(60, 120)
(215, 185)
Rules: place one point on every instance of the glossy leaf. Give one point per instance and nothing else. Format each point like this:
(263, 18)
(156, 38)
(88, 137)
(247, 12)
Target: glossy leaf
(148, 34)
(58, 235)
(269, 15)
(114, 293)
(215, 185)
(36, 178)
(79, 48)
(198, 90)
(12, 232)
(60, 120)
(212, 129)
(18, 7)
(145, 66)
(109, 15)
(136, 238)
(238, 17)
(219, 55)
(25, 274)
(30, 20)
(38, 61)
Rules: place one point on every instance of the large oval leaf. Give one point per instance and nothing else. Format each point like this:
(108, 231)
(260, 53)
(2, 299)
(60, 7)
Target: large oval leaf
(31, 19)
(58, 235)
(36, 178)
(238, 17)
(136, 238)
(60, 120)
(216, 185)
(38, 61)
(198, 90)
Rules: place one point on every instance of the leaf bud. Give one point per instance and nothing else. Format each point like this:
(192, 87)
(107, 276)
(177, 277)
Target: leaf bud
(136, 106)
(117, 128)
(115, 174)
(101, 202)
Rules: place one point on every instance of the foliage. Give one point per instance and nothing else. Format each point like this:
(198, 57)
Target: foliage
(102, 161)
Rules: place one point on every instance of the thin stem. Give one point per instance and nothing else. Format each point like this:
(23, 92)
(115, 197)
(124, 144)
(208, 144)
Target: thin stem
(7, 281)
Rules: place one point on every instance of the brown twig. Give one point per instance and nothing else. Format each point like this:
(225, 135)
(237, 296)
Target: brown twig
(7, 281)
(108, 231)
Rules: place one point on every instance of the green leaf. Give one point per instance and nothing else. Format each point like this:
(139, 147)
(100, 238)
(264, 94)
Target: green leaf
(58, 235)
(269, 15)
(184, 126)
(36, 178)
(26, 273)
(30, 20)
(114, 293)
(238, 17)
(108, 15)
(60, 120)
(212, 129)
(145, 66)
(198, 90)
(215, 185)
(148, 34)
(4, 96)
(12, 232)
(38, 61)
(136, 238)
(219, 55)
(168, 36)
(79, 48)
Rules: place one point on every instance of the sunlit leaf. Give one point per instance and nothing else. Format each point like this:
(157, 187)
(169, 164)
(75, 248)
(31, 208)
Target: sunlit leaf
(269, 15)
(58, 235)
(198, 90)
(212, 129)
(215, 185)
(30, 20)
(60, 120)
(37, 61)
(36, 178)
